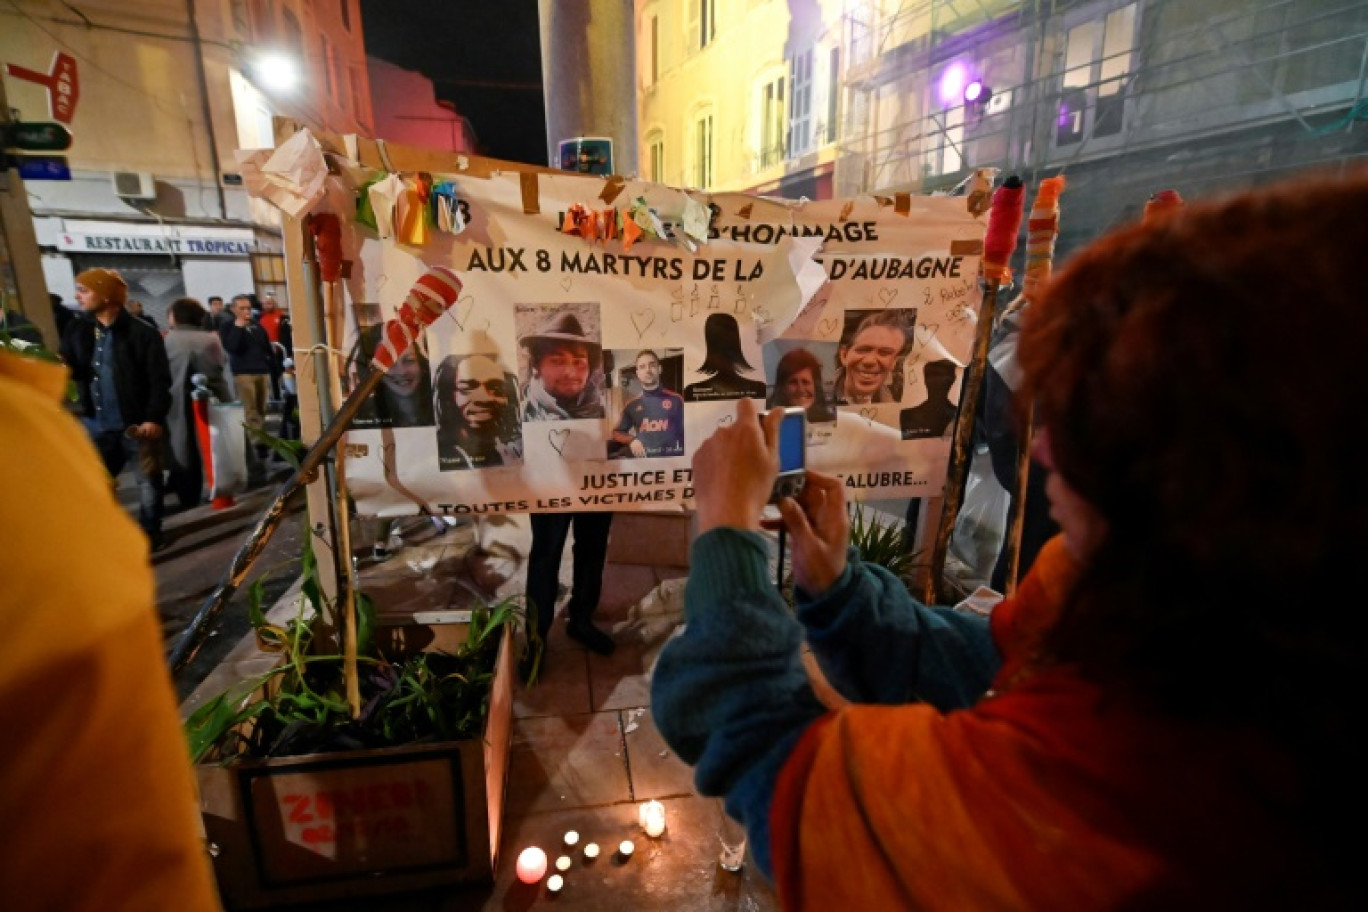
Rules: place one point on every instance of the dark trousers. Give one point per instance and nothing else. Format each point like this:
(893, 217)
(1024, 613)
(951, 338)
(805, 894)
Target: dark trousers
(543, 565)
(118, 450)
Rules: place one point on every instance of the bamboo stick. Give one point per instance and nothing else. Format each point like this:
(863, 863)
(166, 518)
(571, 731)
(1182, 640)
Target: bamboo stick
(1004, 219)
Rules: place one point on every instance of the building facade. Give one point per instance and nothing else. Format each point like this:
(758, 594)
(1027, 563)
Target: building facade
(1125, 97)
(408, 111)
(168, 91)
(739, 94)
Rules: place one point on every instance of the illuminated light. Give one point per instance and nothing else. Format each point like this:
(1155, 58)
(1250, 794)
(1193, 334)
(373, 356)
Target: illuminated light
(651, 816)
(531, 865)
(563, 863)
(277, 71)
(625, 848)
(977, 93)
(554, 883)
(591, 851)
(952, 83)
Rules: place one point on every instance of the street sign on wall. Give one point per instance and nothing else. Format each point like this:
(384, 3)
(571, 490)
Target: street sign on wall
(36, 137)
(586, 154)
(43, 167)
(61, 81)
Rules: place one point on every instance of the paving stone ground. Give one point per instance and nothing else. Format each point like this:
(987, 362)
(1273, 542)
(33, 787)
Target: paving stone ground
(584, 752)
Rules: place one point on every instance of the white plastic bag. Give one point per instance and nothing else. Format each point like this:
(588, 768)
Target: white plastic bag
(980, 527)
(228, 446)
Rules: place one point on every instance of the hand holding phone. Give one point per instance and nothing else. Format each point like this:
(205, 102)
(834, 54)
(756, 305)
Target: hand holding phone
(792, 454)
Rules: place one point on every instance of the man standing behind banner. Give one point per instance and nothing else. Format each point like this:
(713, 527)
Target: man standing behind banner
(652, 424)
(565, 363)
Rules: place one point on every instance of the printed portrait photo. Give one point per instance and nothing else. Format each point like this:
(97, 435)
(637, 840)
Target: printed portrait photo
(795, 369)
(870, 355)
(560, 361)
(476, 405)
(935, 415)
(648, 411)
(727, 373)
(404, 396)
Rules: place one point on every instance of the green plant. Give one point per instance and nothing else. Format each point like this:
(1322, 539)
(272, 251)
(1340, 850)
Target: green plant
(300, 706)
(882, 543)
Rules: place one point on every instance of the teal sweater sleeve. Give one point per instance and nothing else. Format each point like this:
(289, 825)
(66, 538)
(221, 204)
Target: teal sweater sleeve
(875, 643)
(730, 694)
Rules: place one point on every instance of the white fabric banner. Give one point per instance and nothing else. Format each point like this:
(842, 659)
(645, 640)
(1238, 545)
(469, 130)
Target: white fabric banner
(578, 374)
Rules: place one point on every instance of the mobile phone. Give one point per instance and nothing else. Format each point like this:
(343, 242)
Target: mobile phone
(792, 455)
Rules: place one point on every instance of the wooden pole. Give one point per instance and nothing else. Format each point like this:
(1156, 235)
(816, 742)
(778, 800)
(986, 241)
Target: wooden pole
(1004, 221)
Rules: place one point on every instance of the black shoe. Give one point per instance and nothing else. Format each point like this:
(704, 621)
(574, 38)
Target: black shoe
(591, 637)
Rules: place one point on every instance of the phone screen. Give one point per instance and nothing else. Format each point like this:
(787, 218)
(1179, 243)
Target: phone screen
(791, 443)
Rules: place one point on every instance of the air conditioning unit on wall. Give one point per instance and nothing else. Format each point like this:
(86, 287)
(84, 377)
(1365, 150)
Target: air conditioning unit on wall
(134, 185)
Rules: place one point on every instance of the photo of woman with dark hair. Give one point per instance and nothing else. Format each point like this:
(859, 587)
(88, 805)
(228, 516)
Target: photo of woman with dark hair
(477, 414)
(723, 363)
(404, 396)
(798, 382)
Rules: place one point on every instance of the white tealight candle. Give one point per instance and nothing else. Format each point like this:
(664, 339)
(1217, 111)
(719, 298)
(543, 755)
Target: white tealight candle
(563, 863)
(652, 818)
(571, 838)
(626, 848)
(591, 850)
(554, 883)
(531, 865)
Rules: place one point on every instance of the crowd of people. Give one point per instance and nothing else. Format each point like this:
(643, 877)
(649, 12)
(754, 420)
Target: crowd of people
(134, 381)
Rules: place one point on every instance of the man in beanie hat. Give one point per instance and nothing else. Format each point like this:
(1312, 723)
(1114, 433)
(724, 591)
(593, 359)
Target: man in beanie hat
(119, 366)
(567, 366)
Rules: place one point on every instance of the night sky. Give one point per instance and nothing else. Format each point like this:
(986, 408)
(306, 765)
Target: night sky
(482, 55)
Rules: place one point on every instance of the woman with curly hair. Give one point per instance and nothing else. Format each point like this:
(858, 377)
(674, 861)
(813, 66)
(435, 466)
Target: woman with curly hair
(1165, 715)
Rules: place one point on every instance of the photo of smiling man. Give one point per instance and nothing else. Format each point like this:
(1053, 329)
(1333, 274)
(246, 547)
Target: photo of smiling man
(477, 414)
(868, 358)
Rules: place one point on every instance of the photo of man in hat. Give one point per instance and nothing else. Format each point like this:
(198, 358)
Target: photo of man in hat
(565, 369)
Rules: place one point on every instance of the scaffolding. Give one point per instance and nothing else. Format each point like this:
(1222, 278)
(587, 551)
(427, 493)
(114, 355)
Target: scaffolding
(1125, 96)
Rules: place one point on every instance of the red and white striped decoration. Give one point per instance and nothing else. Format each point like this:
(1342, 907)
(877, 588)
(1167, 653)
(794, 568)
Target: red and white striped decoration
(430, 297)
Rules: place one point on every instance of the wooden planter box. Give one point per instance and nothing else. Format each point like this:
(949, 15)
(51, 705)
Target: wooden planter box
(324, 826)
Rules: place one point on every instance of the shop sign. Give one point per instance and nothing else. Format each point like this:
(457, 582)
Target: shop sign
(187, 245)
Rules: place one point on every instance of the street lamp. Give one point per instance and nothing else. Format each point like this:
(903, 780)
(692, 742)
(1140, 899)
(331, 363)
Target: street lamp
(277, 71)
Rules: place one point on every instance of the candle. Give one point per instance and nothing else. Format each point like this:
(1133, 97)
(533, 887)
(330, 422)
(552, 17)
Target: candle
(571, 838)
(591, 850)
(651, 816)
(554, 883)
(563, 863)
(626, 848)
(531, 865)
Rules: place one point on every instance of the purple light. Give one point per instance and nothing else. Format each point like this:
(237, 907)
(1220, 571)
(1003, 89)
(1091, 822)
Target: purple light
(952, 83)
(973, 91)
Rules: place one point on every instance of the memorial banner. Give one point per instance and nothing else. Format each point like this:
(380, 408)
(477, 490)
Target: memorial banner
(605, 328)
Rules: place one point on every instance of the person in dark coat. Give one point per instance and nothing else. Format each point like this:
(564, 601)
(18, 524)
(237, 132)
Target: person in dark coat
(119, 366)
(252, 358)
(190, 350)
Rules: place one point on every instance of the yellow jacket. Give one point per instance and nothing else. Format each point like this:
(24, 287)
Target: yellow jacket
(96, 791)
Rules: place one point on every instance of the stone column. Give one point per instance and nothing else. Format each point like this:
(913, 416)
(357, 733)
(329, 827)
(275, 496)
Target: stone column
(589, 75)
